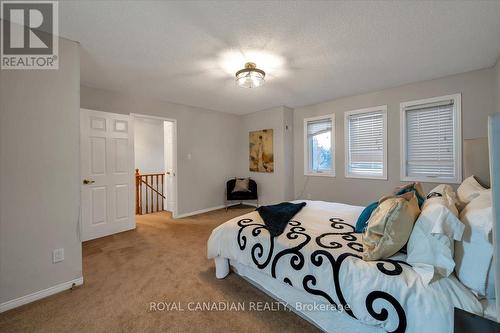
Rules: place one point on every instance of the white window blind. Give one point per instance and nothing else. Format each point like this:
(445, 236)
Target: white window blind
(431, 140)
(316, 127)
(319, 134)
(365, 143)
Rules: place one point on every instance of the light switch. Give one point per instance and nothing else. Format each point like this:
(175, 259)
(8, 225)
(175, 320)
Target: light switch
(57, 255)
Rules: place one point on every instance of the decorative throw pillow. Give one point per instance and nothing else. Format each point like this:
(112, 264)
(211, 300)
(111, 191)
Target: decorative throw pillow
(389, 226)
(431, 244)
(473, 255)
(241, 185)
(365, 216)
(468, 190)
(412, 187)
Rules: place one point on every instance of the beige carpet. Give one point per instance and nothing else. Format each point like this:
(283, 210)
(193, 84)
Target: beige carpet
(163, 260)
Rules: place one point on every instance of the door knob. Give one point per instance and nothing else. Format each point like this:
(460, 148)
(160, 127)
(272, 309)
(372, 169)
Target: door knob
(88, 181)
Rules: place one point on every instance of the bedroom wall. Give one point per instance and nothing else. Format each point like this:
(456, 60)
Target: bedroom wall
(277, 186)
(39, 176)
(497, 85)
(207, 143)
(289, 154)
(477, 90)
(148, 145)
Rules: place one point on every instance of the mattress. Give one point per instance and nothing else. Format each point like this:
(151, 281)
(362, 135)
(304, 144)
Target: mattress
(319, 254)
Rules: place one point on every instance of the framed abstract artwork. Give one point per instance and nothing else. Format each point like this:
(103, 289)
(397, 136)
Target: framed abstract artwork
(261, 155)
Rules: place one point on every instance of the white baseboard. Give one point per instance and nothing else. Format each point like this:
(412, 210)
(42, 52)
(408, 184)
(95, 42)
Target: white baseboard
(250, 204)
(196, 212)
(39, 294)
(201, 211)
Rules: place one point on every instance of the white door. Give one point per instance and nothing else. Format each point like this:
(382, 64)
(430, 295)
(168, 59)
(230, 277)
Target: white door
(170, 165)
(107, 177)
(170, 190)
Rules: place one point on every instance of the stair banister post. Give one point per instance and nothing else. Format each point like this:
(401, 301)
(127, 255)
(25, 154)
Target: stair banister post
(138, 208)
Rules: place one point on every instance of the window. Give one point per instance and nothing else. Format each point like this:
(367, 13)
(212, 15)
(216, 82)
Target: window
(366, 143)
(431, 133)
(319, 147)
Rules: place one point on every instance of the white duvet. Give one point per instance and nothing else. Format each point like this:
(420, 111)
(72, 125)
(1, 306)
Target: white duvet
(319, 253)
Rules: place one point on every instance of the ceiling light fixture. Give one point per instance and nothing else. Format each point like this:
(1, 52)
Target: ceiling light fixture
(250, 76)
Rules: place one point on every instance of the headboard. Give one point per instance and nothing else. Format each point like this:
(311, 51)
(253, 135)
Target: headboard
(494, 153)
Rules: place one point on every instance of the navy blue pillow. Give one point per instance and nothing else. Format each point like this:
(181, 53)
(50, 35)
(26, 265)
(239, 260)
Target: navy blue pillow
(365, 216)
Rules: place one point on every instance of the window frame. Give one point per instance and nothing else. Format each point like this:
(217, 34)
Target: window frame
(307, 164)
(383, 110)
(457, 137)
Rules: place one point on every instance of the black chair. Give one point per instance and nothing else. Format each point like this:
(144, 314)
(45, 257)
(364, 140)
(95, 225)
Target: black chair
(241, 196)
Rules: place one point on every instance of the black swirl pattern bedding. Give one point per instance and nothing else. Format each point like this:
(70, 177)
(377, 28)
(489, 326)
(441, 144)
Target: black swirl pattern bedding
(320, 253)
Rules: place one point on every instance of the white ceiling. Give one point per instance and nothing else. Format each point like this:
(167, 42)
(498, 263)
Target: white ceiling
(187, 52)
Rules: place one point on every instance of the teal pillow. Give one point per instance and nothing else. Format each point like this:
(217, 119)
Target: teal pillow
(365, 216)
(420, 199)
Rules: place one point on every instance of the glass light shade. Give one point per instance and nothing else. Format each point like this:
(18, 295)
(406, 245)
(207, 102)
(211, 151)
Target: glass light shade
(250, 76)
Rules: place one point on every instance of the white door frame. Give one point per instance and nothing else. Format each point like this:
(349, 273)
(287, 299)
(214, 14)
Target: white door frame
(174, 154)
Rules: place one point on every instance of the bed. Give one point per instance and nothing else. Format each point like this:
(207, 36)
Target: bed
(315, 267)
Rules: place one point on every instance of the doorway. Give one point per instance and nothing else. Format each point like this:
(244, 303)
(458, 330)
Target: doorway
(155, 164)
(107, 163)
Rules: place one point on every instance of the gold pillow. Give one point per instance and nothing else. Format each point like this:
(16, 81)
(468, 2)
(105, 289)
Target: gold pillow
(412, 186)
(390, 226)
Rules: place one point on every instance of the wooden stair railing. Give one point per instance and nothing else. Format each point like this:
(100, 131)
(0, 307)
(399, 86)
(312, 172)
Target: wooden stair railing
(151, 189)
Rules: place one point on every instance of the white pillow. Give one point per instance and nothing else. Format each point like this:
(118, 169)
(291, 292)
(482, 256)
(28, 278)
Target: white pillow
(431, 244)
(443, 188)
(448, 197)
(468, 190)
(473, 255)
